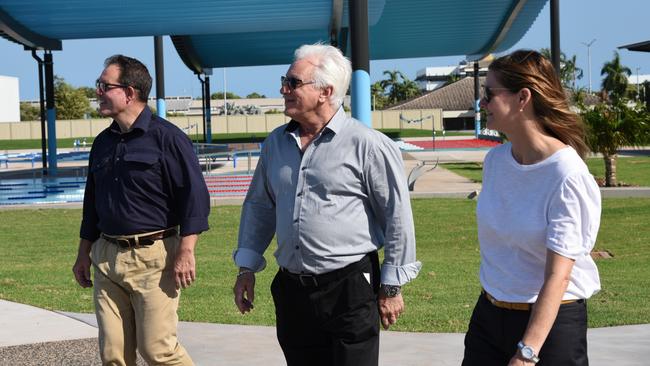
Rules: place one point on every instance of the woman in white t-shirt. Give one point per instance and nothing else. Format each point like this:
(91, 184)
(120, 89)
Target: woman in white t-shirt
(538, 216)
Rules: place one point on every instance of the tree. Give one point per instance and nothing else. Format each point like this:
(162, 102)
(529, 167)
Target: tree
(88, 91)
(29, 113)
(613, 126)
(254, 95)
(71, 103)
(229, 95)
(615, 81)
(379, 99)
(398, 90)
(569, 71)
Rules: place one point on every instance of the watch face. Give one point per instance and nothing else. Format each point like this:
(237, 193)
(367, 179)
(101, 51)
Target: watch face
(391, 291)
(527, 352)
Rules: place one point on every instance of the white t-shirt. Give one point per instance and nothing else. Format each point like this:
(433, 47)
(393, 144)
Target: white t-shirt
(523, 210)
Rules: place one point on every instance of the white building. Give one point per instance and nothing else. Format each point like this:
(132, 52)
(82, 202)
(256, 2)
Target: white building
(431, 78)
(9, 99)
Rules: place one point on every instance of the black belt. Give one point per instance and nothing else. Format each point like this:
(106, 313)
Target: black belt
(136, 240)
(316, 280)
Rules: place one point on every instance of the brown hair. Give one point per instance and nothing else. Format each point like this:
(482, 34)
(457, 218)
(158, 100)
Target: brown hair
(529, 69)
(132, 73)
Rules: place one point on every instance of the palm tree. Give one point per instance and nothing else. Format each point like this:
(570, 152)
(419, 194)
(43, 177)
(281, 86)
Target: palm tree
(392, 83)
(615, 81)
(611, 127)
(398, 90)
(569, 71)
(378, 95)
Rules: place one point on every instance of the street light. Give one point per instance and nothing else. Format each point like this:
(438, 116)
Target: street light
(589, 59)
(638, 95)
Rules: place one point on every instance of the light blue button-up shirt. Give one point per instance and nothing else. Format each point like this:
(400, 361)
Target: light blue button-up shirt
(344, 197)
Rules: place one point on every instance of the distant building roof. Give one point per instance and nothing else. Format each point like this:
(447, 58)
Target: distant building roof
(458, 96)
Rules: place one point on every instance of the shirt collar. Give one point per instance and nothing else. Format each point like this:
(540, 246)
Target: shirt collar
(335, 124)
(141, 123)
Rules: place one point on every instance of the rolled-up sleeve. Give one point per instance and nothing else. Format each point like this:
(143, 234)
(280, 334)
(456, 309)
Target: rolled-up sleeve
(257, 224)
(574, 217)
(390, 199)
(190, 193)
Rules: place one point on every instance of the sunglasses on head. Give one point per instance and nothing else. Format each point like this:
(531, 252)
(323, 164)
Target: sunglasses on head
(104, 87)
(293, 83)
(489, 92)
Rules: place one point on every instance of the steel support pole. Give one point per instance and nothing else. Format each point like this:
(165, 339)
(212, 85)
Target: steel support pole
(51, 113)
(41, 98)
(208, 111)
(555, 35)
(477, 101)
(161, 108)
(360, 89)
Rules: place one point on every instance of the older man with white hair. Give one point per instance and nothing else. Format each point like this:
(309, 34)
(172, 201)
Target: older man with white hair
(334, 192)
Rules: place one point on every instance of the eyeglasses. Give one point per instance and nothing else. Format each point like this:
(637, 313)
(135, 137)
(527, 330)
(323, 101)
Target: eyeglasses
(489, 92)
(293, 83)
(104, 87)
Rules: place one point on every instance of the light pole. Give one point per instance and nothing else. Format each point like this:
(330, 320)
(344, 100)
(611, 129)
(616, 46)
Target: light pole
(589, 59)
(638, 96)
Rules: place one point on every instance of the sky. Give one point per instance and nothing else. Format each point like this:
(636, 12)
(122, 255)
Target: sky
(610, 23)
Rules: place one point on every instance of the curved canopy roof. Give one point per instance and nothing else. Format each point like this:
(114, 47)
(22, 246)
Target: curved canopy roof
(225, 33)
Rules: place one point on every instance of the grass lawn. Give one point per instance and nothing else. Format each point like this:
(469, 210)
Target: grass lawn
(39, 246)
(36, 144)
(634, 171)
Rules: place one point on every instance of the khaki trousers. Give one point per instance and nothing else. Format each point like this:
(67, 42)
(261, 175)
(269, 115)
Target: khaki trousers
(135, 303)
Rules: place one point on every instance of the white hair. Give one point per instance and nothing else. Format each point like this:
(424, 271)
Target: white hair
(331, 68)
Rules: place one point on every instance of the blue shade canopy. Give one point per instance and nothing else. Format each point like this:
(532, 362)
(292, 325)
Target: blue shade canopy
(226, 33)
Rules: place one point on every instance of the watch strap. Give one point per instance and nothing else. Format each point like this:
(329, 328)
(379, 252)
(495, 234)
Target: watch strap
(391, 290)
(528, 349)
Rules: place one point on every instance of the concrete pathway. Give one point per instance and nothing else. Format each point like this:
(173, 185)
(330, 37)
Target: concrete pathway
(237, 345)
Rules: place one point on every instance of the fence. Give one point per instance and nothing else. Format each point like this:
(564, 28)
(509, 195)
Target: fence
(422, 119)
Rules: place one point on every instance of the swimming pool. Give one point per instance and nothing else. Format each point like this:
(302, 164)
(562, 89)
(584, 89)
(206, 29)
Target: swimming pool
(41, 190)
(71, 190)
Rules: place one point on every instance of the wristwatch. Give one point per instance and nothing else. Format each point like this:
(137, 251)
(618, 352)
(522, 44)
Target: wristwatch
(391, 290)
(527, 352)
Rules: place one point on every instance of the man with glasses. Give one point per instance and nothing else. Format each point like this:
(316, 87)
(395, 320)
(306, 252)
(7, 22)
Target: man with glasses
(145, 204)
(333, 192)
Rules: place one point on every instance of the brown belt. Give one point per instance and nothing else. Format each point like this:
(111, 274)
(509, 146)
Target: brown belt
(133, 241)
(524, 306)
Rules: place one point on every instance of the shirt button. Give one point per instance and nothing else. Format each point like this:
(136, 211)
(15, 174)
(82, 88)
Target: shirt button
(297, 247)
(116, 179)
(117, 159)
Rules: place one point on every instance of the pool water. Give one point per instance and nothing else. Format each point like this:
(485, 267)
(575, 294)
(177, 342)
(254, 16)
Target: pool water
(70, 190)
(41, 190)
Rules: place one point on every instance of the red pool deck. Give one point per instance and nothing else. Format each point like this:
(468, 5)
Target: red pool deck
(455, 144)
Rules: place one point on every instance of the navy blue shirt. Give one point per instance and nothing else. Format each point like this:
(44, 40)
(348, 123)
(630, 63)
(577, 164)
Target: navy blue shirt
(144, 180)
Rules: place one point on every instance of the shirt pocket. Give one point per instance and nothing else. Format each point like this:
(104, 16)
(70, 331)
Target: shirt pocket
(101, 169)
(141, 166)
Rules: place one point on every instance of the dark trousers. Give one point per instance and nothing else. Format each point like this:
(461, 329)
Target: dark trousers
(334, 323)
(494, 332)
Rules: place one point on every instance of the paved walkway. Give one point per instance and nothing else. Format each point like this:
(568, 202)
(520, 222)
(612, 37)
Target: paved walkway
(24, 329)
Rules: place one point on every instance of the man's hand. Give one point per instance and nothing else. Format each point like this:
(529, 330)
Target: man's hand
(244, 290)
(81, 268)
(390, 308)
(184, 262)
